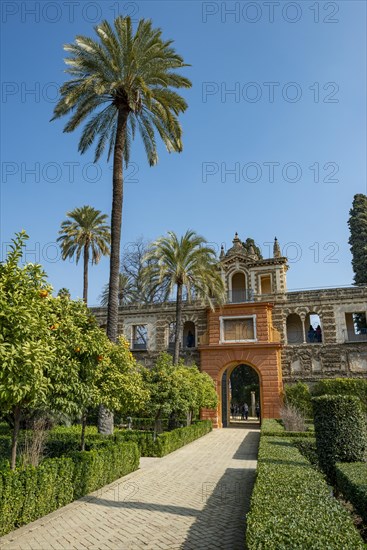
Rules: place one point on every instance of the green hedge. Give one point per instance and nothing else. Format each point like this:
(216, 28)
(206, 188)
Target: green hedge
(307, 447)
(340, 430)
(273, 427)
(298, 395)
(291, 505)
(28, 494)
(356, 387)
(166, 442)
(351, 480)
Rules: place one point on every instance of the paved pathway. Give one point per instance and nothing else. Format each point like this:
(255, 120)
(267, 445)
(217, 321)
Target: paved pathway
(194, 499)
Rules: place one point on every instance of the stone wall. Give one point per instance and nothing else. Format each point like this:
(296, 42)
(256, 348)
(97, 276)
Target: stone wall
(308, 362)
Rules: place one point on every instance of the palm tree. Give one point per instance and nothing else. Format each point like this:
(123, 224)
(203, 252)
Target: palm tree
(126, 293)
(185, 264)
(85, 231)
(120, 82)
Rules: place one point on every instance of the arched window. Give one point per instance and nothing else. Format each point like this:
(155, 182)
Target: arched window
(189, 335)
(313, 328)
(238, 288)
(294, 329)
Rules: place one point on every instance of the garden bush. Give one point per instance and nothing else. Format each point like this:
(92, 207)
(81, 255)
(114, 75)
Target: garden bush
(291, 505)
(298, 395)
(275, 428)
(340, 430)
(356, 387)
(166, 442)
(351, 480)
(28, 494)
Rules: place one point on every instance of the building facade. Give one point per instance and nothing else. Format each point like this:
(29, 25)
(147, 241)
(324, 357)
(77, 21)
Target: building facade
(284, 336)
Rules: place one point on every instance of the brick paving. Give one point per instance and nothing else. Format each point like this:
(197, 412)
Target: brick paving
(193, 499)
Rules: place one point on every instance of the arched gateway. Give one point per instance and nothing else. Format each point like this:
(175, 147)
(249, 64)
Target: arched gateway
(242, 334)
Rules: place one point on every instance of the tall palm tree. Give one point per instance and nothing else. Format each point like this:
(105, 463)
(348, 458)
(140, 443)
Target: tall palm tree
(185, 264)
(85, 231)
(120, 82)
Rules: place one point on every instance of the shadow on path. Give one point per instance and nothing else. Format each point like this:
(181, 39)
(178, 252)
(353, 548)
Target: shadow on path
(222, 522)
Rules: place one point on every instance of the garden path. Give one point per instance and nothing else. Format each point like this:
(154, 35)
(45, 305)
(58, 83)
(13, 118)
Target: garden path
(196, 498)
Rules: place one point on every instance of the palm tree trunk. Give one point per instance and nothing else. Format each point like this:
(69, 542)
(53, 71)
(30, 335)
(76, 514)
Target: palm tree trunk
(85, 273)
(116, 224)
(105, 420)
(178, 324)
(14, 442)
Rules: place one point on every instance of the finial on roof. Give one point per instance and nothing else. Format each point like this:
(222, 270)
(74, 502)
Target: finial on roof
(276, 249)
(221, 252)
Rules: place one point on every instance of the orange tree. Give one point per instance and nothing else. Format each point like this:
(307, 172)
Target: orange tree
(27, 349)
(81, 347)
(119, 382)
(196, 391)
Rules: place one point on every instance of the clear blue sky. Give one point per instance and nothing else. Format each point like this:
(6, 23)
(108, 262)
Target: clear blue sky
(305, 64)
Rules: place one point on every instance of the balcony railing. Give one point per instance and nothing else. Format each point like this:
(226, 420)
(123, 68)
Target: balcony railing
(240, 296)
(137, 345)
(350, 336)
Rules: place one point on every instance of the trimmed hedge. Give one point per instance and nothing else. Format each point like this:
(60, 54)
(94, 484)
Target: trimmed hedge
(28, 494)
(356, 387)
(274, 428)
(340, 430)
(291, 505)
(166, 442)
(351, 480)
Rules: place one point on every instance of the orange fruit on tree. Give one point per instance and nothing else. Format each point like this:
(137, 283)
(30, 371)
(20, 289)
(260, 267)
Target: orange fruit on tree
(43, 293)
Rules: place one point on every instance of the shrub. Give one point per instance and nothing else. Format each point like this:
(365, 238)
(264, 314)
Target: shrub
(28, 494)
(351, 480)
(340, 430)
(273, 427)
(291, 506)
(292, 418)
(166, 442)
(343, 386)
(307, 448)
(299, 396)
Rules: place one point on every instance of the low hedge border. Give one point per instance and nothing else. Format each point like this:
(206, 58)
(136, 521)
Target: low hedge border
(351, 480)
(273, 428)
(26, 495)
(166, 442)
(291, 505)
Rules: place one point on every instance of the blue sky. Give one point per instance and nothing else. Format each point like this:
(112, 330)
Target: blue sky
(274, 136)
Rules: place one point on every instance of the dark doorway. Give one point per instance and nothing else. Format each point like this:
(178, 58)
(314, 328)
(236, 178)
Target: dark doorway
(240, 396)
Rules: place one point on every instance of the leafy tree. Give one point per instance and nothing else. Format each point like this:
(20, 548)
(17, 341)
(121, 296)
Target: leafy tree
(26, 346)
(358, 237)
(185, 263)
(87, 232)
(80, 348)
(196, 391)
(120, 383)
(163, 389)
(122, 81)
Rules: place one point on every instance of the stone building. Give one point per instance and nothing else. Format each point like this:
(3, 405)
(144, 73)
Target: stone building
(284, 336)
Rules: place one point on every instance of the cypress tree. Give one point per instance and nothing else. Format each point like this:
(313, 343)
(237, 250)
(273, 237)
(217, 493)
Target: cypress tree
(358, 237)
